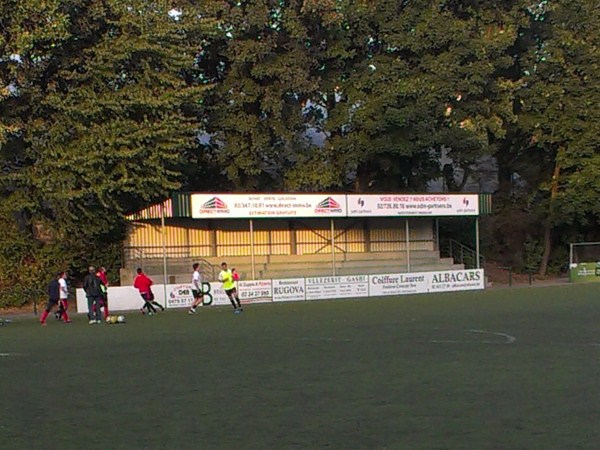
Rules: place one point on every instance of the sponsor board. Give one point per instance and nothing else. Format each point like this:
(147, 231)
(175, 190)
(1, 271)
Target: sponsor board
(289, 290)
(406, 205)
(584, 272)
(121, 298)
(255, 291)
(456, 280)
(127, 298)
(267, 205)
(398, 284)
(319, 288)
(179, 296)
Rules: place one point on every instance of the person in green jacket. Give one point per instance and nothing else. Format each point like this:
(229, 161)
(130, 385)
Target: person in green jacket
(226, 277)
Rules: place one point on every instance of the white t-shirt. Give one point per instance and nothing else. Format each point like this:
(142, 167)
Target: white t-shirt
(196, 281)
(64, 293)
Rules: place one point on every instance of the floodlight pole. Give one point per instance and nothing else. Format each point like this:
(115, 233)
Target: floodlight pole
(252, 247)
(437, 234)
(332, 247)
(407, 231)
(164, 249)
(477, 265)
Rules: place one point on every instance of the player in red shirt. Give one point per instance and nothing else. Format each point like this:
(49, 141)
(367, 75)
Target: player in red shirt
(102, 275)
(143, 284)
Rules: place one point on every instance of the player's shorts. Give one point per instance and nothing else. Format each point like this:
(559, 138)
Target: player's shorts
(197, 294)
(148, 296)
(51, 303)
(230, 292)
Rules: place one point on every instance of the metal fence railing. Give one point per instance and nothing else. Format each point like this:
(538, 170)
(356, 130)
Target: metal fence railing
(152, 256)
(460, 253)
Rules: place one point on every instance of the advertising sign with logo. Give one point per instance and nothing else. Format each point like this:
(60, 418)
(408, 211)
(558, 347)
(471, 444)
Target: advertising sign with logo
(179, 296)
(456, 280)
(319, 288)
(255, 291)
(267, 205)
(398, 284)
(289, 290)
(583, 272)
(413, 205)
(296, 289)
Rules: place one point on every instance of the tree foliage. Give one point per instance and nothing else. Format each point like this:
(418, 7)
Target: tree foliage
(108, 105)
(104, 109)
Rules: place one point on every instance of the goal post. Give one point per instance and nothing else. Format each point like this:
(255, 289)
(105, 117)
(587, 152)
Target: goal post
(584, 262)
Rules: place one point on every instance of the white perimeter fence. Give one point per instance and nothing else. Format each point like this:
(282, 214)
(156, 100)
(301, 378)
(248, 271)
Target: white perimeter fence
(126, 298)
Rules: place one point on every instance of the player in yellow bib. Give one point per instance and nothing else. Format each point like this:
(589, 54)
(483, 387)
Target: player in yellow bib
(226, 277)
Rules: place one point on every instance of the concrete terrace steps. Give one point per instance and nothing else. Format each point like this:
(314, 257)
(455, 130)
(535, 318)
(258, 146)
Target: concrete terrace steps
(282, 273)
(185, 264)
(286, 266)
(245, 269)
(291, 273)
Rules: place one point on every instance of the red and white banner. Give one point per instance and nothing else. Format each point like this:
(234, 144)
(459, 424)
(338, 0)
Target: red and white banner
(208, 206)
(408, 205)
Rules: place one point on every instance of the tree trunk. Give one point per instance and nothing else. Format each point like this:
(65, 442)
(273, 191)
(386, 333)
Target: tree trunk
(548, 223)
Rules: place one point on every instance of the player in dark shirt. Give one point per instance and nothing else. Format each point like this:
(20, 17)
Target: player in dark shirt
(93, 287)
(53, 297)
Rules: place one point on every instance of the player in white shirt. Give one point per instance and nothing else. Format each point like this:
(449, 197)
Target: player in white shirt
(196, 288)
(63, 293)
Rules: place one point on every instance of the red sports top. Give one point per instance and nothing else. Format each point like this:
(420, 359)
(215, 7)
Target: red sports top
(103, 277)
(142, 283)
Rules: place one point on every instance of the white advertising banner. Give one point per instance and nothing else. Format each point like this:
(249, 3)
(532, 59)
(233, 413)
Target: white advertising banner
(121, 298)
(319, 288)
(179, 296)
(256, 291)
(289, 290)
(456, 280)
(209, 206)
(407, 205)
(127, 298)
(398, 284)
(215, 295)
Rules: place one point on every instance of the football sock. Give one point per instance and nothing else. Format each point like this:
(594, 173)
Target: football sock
(43, 319)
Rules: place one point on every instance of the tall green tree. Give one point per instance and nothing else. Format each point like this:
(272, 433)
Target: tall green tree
(107, 105)
(401, 80)
(558, 152)
(263, 71)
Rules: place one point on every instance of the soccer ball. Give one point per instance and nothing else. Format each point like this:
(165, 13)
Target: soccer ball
(109, 319)
(113, 319)
(121, 319)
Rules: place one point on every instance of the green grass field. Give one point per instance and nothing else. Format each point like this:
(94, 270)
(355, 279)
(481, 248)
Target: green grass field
(500, 369)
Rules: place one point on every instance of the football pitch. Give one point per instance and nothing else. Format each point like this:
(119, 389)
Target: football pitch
(497, 369)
